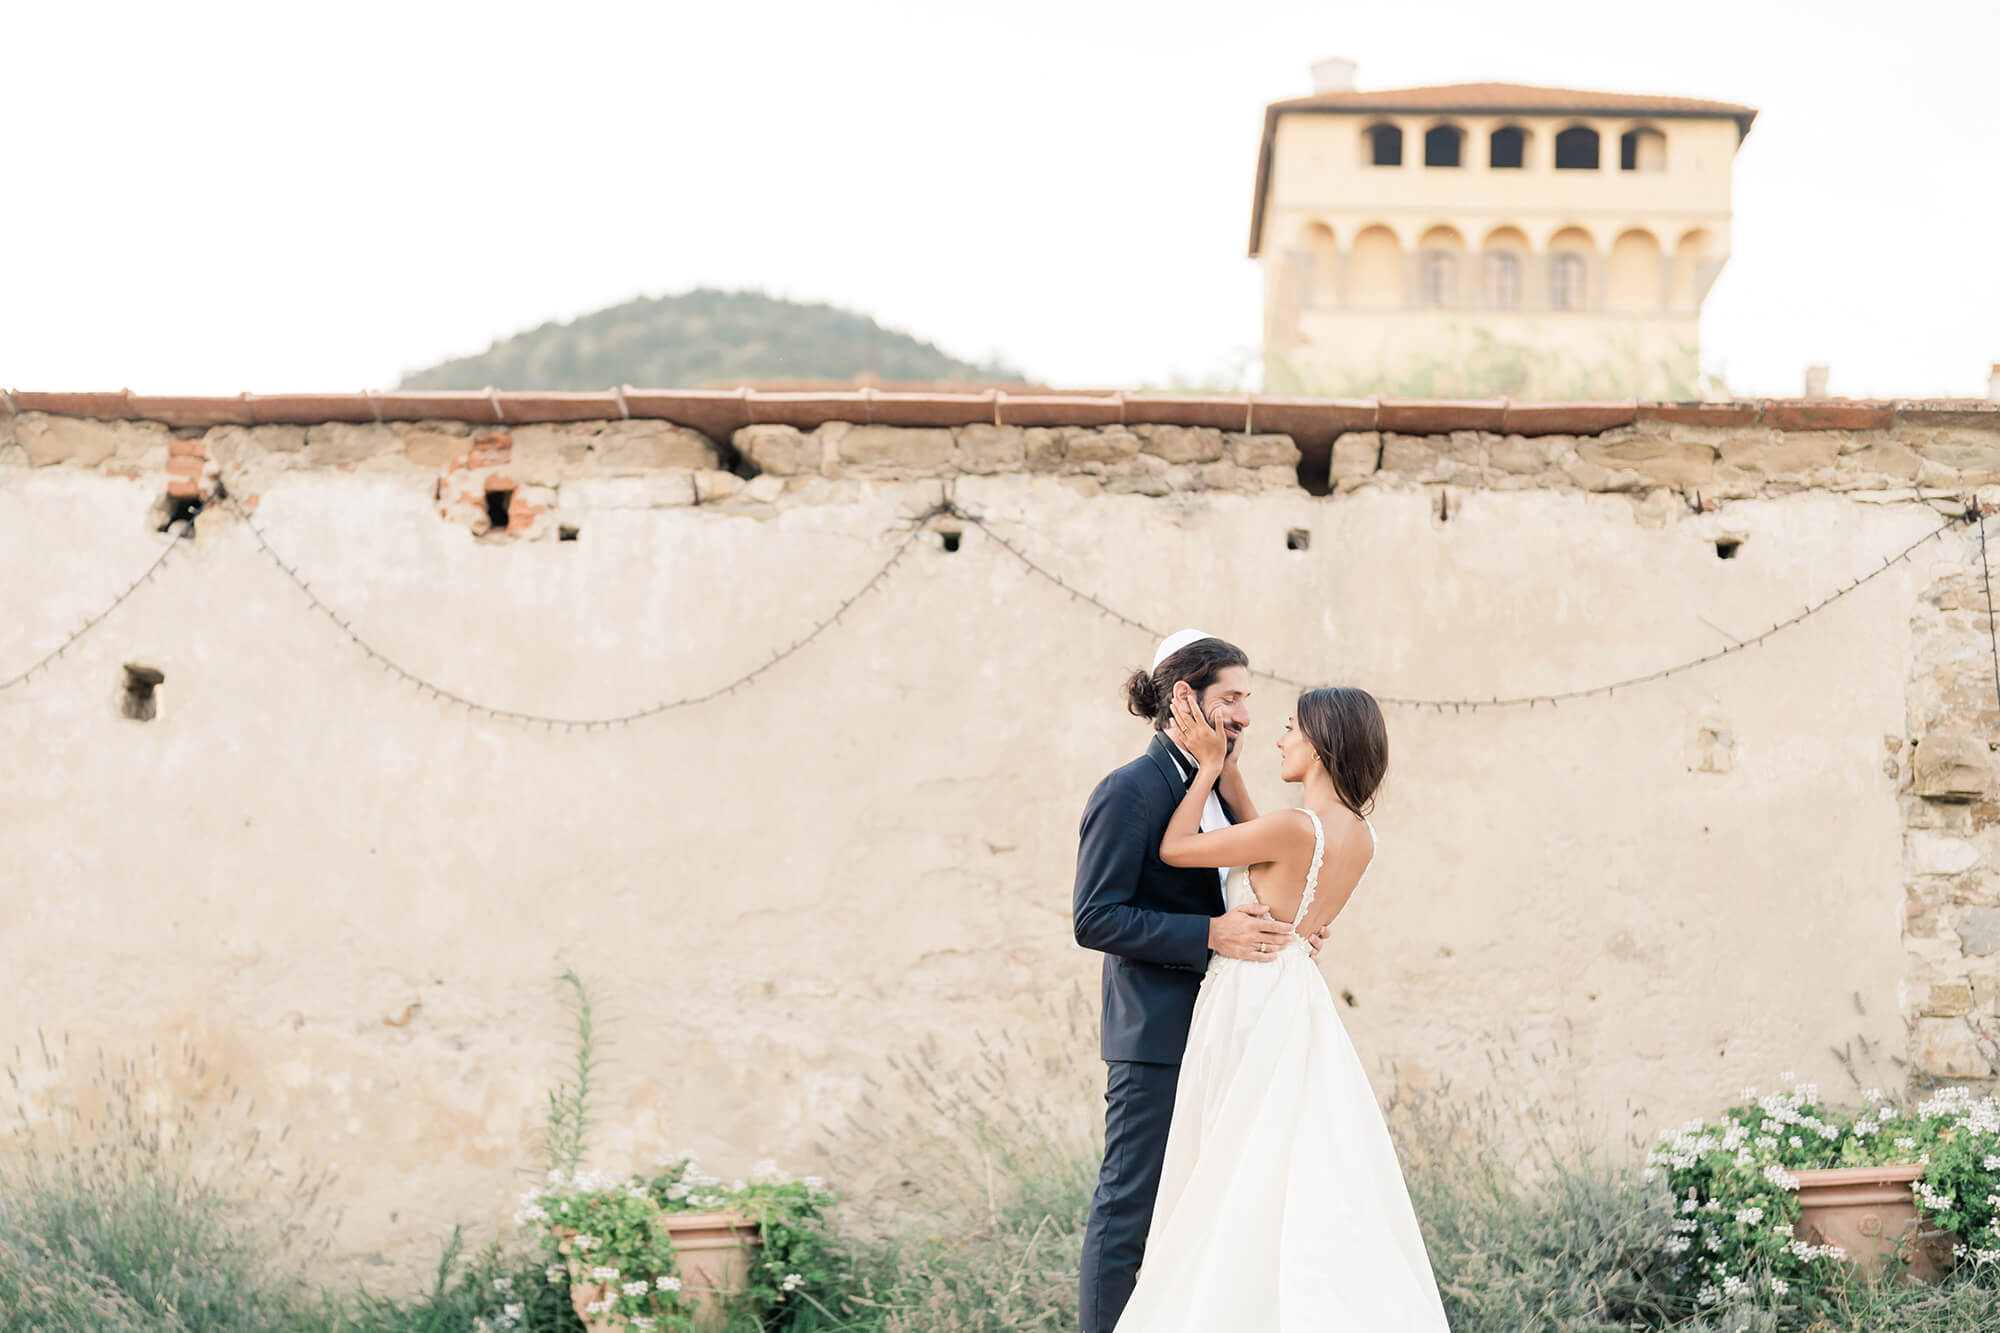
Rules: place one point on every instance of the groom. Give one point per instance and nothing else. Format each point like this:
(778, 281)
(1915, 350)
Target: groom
(1156, 925)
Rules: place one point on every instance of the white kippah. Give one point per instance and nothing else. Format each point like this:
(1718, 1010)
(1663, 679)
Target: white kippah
(1176, 641)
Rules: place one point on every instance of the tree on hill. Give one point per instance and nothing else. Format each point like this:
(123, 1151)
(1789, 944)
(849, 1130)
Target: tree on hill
(704, 337)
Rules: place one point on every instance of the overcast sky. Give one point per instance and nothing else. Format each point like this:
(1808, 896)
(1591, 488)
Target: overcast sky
(205, 198)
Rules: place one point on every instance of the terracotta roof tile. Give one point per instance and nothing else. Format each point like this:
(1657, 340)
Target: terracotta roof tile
(718, 413)
(1515, 98)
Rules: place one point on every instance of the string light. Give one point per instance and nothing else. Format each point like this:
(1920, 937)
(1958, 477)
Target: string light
(1971, 514)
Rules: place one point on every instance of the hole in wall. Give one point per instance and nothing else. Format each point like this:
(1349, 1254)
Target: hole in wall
(1316, 469)
(1727, 547)
(139, 701)
(951, 538)
(566, 532)
(1444, 507)
(497, 503)
(1298, 539)
(1347, 998)
(180, 509)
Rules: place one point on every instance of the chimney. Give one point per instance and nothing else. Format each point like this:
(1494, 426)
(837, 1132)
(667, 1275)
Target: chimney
(1816, 377)
(1333, 75)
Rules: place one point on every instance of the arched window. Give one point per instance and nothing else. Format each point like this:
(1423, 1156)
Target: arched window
(1505, 268)
(1634, 280)
(1566, 281)
(1440, 275)
(1642, 150)
(1507, 150)
(1322, 278)
(1444, 146)
(1385, 145)
(1576, 149)
(1375, 271)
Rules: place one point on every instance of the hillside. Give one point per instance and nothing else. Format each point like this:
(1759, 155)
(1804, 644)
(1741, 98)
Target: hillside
(703, 337)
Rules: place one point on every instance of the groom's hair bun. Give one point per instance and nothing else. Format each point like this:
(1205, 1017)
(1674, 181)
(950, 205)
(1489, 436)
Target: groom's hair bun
(1150, 694)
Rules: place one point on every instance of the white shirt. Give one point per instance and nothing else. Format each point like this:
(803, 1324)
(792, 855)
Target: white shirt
(1212, 817)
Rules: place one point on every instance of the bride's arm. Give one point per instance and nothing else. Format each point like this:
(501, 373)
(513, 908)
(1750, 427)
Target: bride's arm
(1245, 844)
(1235, 792)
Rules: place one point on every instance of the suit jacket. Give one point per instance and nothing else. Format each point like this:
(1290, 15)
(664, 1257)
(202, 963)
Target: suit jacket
(1149, 919)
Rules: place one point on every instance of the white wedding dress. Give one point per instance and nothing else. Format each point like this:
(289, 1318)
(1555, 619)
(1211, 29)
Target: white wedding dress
(1282, 1207)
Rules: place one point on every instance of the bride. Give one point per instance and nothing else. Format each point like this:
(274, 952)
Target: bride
(1281, 1206)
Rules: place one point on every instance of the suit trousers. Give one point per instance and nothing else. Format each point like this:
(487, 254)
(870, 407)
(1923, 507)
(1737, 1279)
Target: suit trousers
(1138, 1108)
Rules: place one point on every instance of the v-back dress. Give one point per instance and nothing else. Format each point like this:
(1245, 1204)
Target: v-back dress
(1282, 1207)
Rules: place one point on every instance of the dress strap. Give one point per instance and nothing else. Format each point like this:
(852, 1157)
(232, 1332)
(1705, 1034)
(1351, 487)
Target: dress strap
(1312, 871)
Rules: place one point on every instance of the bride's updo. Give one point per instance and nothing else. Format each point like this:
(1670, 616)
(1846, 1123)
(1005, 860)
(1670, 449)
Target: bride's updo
(1150, 694)
(1345, 727)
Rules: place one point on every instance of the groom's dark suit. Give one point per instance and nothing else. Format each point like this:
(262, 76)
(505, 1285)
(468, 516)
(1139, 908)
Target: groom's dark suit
(1150, 920)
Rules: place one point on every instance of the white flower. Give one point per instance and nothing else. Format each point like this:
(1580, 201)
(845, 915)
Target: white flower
(642, 1321)
(555, 1273)
(1749, 1217)
(1733, 1286)
(503, 1285)
(792, 1282)
(667, 1283)
(639, 1288)
(635, 1192)
(1780, 1177)
(598, 1307)
(1779, 1286)
(1906, 1144)
(1708, 1295)
(603, 1274)
(1677, 1244)
(581, 1241)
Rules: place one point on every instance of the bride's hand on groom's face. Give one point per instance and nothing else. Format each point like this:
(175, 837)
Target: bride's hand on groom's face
(1199, 736)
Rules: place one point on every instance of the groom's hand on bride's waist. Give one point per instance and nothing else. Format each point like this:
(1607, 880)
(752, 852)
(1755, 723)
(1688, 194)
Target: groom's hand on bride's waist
(1248, 932)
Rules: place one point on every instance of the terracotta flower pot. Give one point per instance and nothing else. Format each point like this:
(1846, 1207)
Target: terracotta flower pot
(714, 1251)
(1867, 1211)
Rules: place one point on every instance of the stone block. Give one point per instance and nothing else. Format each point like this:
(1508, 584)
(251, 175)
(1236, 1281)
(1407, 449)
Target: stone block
(1411, 456)
(1110, 444)
(1181, 444)
(1524, 455)
(1883, 460)
(1951, 999)
(1979, 931)
(896, 451)
(1146, 475)
(1953, 767)
(1947, 1048)
(1937, 854)
(433, 449)
(1043, 448)
(1796, 456)
(1355, 454)
(711, 485)
(1263, 450)
(1654, 462)
(1966, 452)
(1223, 477)
(984, 449)
(46, 439)
(778, 451)
(1276, 478)
(337, 442)
(651, 444)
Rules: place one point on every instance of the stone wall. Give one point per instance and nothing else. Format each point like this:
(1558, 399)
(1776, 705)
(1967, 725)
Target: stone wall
(351, 886)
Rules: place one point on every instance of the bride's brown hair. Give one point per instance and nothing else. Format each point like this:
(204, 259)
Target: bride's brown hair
(1345, 728)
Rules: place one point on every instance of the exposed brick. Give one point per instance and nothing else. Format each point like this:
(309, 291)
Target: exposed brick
(185, 466)
(180, 448)
(181, 488)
